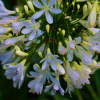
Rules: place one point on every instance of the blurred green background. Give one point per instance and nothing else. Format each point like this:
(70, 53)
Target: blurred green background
(7, 91)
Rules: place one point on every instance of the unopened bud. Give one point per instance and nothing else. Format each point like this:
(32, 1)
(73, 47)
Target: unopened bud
(48, 50)
(78, 6)
(59, 29)
(84, 9)
(21, 53)
(47, 28)
(26, 9)
(92, 16)
(37, 66)
(63, 32)
(31, 6)
(40, 54)
(89, 6)
(17, 10)
(73, 3)
(67, 3)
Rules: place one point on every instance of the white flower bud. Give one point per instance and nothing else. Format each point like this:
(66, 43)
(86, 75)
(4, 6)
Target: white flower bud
(84, 9)
(40, 54)
(21, 53)
(31, 6)
(26, 9)
(47, 28)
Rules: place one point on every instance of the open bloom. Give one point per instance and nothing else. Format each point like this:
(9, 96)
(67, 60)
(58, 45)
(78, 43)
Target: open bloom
(50, 59)
(71, 47)
(16, 26)
(40, 78)
(46, 7)
(16, 72)
(32, 29)
(4, 11)
(55, 87)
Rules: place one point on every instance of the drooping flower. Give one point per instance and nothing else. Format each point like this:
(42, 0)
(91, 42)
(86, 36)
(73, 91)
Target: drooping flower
(16, 26)
(50, 59)
(71, 47)
(46, 7)
(55, 87)
(32, 29)
(61, 49)
(40, 78)
(86, 56)
(16, 71)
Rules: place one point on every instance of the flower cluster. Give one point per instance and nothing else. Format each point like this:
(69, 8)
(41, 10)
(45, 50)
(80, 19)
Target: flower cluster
(65, 40)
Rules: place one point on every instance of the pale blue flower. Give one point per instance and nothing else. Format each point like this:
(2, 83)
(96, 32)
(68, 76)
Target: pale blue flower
(55, 87)
(16, 72)
(16, 26)
(51, 60)
(46, 7)
(40, 78)
(85, 56)
(32, 29)
(71, 47)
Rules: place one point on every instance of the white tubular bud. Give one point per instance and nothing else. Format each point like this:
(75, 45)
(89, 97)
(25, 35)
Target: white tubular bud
(17, 10)
(78, 6)
(84, 9)
(26, 9)
(92, 16)
(40, 54)
(73, 3)
(63, 32)
(17, 48)
(30, 5)
(89, 6)
(47, 28)
(21, 53)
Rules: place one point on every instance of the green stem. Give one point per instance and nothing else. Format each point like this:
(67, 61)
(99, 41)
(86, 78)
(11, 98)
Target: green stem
(92, 92)
(79, 95)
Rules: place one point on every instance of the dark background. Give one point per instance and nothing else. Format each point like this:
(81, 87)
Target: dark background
(7, 91)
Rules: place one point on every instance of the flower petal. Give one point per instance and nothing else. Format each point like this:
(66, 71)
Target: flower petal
(44, 2)
(25, 31)
(44, 65)
(33, 20)
(55, 11)
(38, 14)
(32, 36)
(51, 3)
(37, 4)
(49, 18)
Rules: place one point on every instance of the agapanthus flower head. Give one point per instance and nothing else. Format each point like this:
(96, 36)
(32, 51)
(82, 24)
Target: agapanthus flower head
(64, 49)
